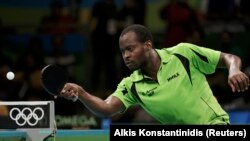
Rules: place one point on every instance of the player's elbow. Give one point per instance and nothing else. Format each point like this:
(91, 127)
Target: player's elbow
(227, 60)
(111, 111)
(106, 114)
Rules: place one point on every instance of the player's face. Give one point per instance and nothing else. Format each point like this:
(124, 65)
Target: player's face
(133, 51)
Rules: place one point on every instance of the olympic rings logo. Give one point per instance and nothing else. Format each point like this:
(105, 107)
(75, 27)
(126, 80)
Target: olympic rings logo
(26, 115)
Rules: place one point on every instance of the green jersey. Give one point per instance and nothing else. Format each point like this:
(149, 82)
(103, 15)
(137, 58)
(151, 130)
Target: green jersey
(181, 94)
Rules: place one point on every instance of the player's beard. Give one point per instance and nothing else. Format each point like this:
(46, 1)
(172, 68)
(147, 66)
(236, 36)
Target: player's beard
(132, 65)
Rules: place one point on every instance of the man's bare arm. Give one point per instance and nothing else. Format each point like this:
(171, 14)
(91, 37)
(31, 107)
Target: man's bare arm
(237, 80)
(103, 108)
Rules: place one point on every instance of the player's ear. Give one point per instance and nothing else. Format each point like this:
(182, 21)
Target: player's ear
(149, 44)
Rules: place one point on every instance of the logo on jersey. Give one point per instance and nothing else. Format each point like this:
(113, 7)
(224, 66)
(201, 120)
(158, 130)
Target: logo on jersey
(173, 76)
(125, 91)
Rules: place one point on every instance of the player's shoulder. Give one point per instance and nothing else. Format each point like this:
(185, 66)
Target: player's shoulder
(179, 48)
(184, 46)
(135, 76)
(127, 81)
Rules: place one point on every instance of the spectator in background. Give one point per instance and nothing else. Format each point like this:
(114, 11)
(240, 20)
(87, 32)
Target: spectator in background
(28, 70)
(196, 36)
(244, 12)
(6, 30)
(104, 44)
(221, 10)
(60, 56)
(132, 12)
(58, 21)
(7, 61)
(6, 65)
(180, 19)
(74, 6)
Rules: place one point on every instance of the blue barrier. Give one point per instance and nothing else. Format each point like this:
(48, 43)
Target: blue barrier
(239, 116)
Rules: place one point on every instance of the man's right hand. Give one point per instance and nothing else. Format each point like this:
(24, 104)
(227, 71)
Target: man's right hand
(70, 91)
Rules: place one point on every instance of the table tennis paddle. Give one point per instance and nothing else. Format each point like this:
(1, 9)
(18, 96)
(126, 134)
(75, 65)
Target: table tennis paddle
(53, 79)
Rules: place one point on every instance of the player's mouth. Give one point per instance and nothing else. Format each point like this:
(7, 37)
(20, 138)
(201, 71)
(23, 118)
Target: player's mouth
(128, 63)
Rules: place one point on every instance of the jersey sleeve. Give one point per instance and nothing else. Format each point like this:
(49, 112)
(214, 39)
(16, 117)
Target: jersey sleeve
(204, 59)
(123, 93)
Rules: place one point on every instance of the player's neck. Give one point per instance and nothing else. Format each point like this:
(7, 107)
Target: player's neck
(153, 65)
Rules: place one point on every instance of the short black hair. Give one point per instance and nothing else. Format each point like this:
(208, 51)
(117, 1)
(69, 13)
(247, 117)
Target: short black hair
(142, 32)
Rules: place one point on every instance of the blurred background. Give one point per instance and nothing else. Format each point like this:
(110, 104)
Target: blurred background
(82, 37)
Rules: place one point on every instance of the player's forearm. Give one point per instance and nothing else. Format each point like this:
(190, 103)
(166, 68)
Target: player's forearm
(237, 80)
(232, 62)
(95, 104)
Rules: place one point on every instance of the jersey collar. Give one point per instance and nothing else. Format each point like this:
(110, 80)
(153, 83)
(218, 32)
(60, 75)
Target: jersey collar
(137, 74)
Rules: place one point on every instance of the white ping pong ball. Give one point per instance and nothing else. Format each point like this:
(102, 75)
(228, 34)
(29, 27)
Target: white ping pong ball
(10, 75)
